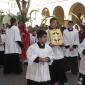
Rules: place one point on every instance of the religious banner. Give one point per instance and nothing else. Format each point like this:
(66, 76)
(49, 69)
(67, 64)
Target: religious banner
(56, 37)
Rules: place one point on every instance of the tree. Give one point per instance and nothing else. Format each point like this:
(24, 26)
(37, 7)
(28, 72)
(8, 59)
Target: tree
(44, 21)
(23, 7)
(1, 17)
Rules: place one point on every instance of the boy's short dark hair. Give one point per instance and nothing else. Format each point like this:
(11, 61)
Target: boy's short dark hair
(70, 22)
(52, 19)
(12, 20)
(40, 33)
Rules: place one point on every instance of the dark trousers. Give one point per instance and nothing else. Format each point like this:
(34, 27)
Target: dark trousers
(57, 72)
(1, 57)
(12, 63)
(71, 63)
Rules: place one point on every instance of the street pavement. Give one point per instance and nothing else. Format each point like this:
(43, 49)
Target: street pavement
(14, 79)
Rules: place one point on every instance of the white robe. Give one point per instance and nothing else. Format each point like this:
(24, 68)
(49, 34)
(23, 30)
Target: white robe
(33, 39)
(57, 50)
(71, 38)
(82, 62)
(12, 35)
(38, 72)
(2, 42)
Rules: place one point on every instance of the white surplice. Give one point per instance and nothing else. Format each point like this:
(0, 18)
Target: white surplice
(12, 35)
(33, 39)
(71, 38)
(82, 62)
(2, 42)
(38, 72)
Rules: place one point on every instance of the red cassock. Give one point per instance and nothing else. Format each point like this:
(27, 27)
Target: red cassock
(26, 42)
(81, 36)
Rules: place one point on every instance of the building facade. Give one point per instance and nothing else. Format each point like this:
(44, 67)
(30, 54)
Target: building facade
(64, 10)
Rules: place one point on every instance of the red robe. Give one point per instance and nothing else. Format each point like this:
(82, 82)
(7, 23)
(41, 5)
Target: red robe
(81, 36)
(26, 42)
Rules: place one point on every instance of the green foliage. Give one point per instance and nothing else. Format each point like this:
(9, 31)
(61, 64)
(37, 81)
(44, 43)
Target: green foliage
(43, 23)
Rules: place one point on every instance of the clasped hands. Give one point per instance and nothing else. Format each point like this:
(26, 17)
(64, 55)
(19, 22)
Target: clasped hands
(43, 60)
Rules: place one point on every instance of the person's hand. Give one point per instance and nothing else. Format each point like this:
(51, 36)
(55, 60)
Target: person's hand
(62, 45)
(71, 48)
(52, 45)
(46, 59)
(40, 59)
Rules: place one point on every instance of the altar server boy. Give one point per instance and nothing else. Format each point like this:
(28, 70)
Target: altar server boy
(71, 42)
(40, 56)
(33, 37)
(57, 68)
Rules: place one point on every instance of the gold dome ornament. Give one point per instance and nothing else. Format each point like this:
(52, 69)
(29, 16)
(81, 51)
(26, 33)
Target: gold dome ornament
(45, 12)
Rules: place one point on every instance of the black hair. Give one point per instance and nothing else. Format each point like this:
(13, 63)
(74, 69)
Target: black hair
(12, 21)
(70, 22)
(52, 19)
(40, 33)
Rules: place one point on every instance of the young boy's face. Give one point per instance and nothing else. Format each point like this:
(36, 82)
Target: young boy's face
(43, 39)
(70, 25)
(53, 24)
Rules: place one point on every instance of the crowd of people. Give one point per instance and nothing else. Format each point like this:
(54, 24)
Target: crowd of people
(48, 54)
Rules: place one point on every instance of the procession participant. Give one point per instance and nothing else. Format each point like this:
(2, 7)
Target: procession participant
(25, 37)
(81, 33)
(56, 42)
(39, 55)
(71, 42)
(2, 41)
(82, 64)
(29, 28)
(13, 47)
(33, 37)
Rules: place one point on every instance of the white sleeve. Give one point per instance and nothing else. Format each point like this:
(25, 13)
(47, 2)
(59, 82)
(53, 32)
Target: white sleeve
(17, 34)
(76, 42)
(30, 38)
(65, 38)
(81, 47)
(3, 37)
(31, 54)
(51, 55)
(48, 37)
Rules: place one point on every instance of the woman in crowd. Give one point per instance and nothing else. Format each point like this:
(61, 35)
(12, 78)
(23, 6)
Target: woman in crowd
(25, 37)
